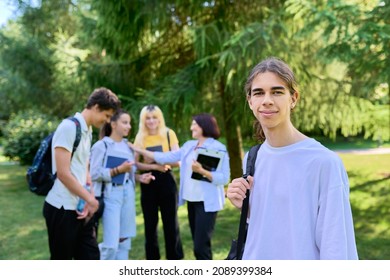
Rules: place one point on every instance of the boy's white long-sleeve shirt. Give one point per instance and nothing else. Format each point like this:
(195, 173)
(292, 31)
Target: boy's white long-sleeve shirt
(299, 205)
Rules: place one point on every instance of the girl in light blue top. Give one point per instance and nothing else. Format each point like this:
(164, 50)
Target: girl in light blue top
(205, 196)
(119, 198)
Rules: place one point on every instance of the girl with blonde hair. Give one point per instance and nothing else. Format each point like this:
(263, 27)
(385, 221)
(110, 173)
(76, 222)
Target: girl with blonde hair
(160, 194)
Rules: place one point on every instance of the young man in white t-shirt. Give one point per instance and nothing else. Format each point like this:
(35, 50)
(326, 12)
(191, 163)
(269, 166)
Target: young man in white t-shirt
(71, 233)
(299, 205)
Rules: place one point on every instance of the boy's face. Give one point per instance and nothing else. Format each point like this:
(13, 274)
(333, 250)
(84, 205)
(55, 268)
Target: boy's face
(100, 117)
(271, 101)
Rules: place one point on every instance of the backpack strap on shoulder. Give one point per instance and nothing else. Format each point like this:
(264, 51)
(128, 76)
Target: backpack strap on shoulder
(78, 137)
(251, 160)
(105, 153)
(169, 140)
(250, 170)
(78, 133)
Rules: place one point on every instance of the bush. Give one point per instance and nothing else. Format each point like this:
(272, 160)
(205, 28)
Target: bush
(24, 133)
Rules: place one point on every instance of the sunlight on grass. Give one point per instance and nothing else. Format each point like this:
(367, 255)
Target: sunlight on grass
(369, 177)
(2, 159)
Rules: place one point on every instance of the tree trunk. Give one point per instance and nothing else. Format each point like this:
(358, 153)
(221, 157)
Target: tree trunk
(232, 133)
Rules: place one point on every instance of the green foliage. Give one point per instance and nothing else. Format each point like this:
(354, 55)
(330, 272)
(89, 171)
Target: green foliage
(193, 56)
(40, 61)
(377, 125)
(352, 72)
(24, 133)
(356, 34)
(27, 70)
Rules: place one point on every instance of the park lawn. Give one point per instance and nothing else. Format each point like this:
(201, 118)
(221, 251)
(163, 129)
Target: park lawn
(369, 177)
(347, 143)
(23, 233)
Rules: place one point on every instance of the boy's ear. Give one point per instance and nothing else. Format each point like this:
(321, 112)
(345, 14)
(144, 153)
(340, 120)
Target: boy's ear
(248, 98)
(295, 97)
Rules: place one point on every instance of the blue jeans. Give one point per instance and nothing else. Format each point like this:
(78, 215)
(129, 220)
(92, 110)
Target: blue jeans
(118, 222)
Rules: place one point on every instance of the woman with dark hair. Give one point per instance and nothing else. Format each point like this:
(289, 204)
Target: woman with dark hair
(119, 197)
(204, 191)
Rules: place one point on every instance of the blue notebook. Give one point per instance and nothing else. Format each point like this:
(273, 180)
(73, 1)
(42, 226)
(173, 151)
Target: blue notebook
(155, 148)
(112, 162)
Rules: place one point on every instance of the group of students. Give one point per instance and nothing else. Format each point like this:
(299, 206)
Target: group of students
(299, 204)
(72, 233)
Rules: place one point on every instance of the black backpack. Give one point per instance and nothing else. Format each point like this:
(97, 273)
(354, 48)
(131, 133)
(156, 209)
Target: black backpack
(40, 177)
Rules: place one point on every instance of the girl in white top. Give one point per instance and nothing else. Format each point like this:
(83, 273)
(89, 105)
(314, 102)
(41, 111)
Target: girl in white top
(299, 205)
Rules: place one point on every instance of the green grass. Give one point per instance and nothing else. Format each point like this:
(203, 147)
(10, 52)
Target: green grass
(347, 143)
(369, 177)
(23, 233)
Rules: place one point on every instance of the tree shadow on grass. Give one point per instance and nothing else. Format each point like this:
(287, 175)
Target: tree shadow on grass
(370, 201)
(366, 185)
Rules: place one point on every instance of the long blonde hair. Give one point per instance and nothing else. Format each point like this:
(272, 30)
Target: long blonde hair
(143, 130)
